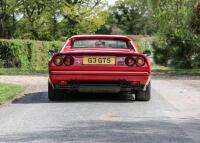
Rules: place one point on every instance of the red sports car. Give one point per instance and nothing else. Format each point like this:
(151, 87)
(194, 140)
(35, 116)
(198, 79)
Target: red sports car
(99, 64)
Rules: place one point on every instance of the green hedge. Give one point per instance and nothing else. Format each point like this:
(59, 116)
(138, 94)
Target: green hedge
(26, 54)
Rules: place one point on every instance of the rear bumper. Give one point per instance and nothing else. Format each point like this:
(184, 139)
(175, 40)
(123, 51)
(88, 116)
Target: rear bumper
(83, 80)
(99, 73)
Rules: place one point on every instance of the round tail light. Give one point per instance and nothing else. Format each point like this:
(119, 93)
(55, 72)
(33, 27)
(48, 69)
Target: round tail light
(69, 60)
(130, 61)
(140, 61)
(58, 60)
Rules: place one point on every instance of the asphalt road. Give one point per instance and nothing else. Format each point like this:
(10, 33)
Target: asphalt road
(172, 116)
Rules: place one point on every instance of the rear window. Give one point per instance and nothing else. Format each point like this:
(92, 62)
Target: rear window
(115, 44)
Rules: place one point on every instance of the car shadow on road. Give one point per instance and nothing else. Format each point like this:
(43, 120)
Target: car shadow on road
(41, 97)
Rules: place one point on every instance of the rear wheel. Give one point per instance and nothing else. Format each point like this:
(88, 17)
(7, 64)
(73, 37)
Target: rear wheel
(54, 95)
(144, 95)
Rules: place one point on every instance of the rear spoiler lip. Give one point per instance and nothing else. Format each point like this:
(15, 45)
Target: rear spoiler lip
(100, 53)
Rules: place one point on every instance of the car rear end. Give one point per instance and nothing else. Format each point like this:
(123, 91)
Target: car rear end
(99, 70)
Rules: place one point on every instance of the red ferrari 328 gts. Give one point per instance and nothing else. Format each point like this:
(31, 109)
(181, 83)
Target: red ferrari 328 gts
(99, 64)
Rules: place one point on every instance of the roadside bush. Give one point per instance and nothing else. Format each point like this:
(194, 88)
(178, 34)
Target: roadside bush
(26, 54)
(162, 53)
(179, 51)
(178, 32)
(143, 42)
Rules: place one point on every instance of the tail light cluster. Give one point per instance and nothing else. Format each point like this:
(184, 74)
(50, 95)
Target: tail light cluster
(63, 60)
(135, 60)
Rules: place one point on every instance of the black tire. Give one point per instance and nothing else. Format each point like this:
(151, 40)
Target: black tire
(54, 95)
(144, 95)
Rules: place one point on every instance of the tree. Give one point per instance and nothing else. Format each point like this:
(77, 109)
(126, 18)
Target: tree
(177, 36)
(7, 18)
(53, 19)
(35, 18)
(132, 16)
(83, 16)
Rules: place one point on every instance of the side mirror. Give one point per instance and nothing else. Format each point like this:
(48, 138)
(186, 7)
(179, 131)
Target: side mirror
(147, 53)
(52, 52)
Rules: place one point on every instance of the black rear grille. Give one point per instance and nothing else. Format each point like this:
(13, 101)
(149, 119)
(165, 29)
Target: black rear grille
(100, 82)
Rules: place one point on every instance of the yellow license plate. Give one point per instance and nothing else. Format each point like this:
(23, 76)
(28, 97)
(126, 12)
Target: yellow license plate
(98, 60)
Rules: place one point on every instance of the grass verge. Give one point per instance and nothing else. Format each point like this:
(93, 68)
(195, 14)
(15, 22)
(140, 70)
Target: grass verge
(162, 70)
(8, 92)
(17, 71)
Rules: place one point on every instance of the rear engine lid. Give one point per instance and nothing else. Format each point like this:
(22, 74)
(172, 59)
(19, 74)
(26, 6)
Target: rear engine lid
(101, 51)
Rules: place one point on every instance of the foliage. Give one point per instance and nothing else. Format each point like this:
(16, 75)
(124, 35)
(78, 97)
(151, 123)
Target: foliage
(84, 16)
(179, 44)
(26, 54)
(50, 19)
(143, 42)
(175, 22)
(130, 16)
(7, 18)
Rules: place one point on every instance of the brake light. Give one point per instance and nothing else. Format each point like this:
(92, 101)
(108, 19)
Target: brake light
(140, 61)
(130, 61)
(69, 60)
(58, 60)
